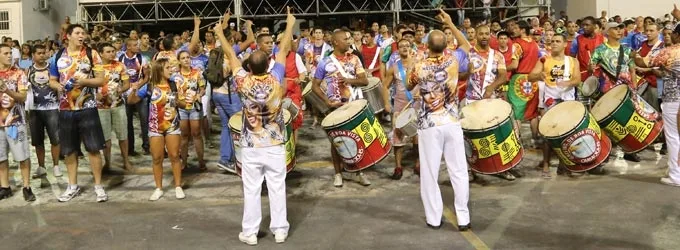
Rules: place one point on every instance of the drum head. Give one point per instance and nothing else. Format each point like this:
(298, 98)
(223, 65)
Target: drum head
(589, 86)
(562, 118)
(344, 113)
(485, 114)
(307, 89)
(373, 82)
(286, 102)
(236, 121)
(609, 102)
(405, 117)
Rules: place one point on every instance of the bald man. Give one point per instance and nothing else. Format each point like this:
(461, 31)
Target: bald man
(340, 84)
(439, 130)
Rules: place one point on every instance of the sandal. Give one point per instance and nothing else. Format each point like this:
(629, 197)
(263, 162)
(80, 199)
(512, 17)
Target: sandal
(546, 174)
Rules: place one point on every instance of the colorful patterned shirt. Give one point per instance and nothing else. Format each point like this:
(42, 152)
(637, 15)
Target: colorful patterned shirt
(329, 72)
(134, 67)
(189, 85)
(70, 65)
(607, 58)
(668, 59)
(11, 112)
(437, 79)
(44, 97)
(261, 95)
(478, 79)
(163, 117)
(114, 76)
(172, 58)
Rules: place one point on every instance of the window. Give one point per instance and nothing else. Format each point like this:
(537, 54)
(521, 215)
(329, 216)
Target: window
(4, 20)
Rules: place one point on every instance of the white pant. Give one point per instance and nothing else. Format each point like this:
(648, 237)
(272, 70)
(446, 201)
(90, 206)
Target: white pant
(670, 129)
(432, 143)
(258, 164)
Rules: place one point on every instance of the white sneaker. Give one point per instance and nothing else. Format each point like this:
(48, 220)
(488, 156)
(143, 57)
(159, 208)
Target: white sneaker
(101, 194)
(39, 172)
(156, 194)
(69, 194)
(338, 180)
(280, 237)
(669, 182)
(250, 239)
(57, 171)
(179, 193)
(362, 179)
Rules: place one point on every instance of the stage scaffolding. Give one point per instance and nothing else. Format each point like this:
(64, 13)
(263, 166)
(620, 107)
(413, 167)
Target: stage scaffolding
(149, 11)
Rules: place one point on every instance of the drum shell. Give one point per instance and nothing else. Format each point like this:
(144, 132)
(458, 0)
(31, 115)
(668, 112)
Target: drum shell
(409, 129)
(314, 100)
(289, 105)
(596, 93)
(634, 124)
(289, 144)
(588, 128)
(373, 93)
(493, 150)
(365, 137)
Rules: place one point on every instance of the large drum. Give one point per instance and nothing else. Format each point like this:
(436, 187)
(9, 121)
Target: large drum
(627, 119)
(491, 144)
(357, 135)
(373, 93)
(313, 100)
(236, 124)
(575, 136)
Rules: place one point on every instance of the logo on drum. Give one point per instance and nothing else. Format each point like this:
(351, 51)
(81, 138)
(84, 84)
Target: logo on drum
(470, 151)
(582, 147)
(348, 144)
(643, 108)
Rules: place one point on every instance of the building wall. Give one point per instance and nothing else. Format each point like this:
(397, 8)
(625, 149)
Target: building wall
(577, 9)
(13, 7)
(40, 24)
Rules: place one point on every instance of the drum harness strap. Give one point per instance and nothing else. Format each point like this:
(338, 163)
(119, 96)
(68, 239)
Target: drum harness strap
(618, 66)
(356, 93)
(375, 57)
(489, 72)
(402, 73)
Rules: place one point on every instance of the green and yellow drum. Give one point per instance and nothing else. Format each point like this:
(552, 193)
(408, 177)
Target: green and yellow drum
(628, 120)
(357, 135)
(574, 135)
(236, 124)
(491, 143)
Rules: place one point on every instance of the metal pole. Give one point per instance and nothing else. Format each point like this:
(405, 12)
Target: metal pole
(238, 11)
(396, 7)
(317, 8)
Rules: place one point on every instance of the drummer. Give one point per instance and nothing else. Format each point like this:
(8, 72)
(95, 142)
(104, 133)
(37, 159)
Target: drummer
(486, 76)
(558, 74)
(606, 57)
(342, 72)
(402, 98)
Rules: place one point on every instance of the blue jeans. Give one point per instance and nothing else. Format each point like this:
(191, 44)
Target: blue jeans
(226, 110)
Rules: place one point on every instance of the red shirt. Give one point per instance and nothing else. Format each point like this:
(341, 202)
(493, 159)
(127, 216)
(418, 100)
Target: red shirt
(507, 55)
(586, 46)
(369, 53)
(567, 50)
(645, 48)
(526, 51)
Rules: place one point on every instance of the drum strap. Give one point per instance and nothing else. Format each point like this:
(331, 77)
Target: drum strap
(402, 72)
(618, 65)
(567, 68)
(356, 93)
(375, 57)
(489, 71)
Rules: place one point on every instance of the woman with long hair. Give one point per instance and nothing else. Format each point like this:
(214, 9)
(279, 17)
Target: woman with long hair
(26, 59)
(164, 130)
(191, 87)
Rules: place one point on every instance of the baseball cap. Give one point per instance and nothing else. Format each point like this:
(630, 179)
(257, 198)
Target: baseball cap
(408, 31)
(610, 25)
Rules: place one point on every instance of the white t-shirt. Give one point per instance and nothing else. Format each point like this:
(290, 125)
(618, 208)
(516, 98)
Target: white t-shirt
(16, 55)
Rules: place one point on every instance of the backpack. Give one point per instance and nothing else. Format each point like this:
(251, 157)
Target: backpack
(88, 52)
(139, 59)
(213, 71)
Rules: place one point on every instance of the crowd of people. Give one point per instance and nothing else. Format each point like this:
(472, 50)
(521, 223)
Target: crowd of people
(90, 86)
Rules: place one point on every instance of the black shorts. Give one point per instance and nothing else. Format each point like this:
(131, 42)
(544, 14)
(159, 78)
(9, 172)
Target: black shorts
(80, 125)
(41, 120)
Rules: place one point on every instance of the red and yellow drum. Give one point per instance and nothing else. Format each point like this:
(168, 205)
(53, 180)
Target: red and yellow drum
(357, 135)
(236, 124)
(491, 144)
(628, 120)
(575, 136)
